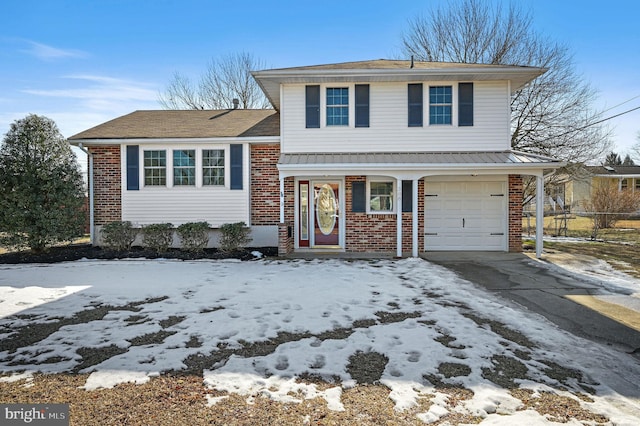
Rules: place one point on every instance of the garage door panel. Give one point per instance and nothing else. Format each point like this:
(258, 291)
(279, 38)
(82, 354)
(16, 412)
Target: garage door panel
(463, 215)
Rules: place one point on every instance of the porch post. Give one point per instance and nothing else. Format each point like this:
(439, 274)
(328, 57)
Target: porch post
(281, 199)
(399, 216)
(539, 214)
(414, 223)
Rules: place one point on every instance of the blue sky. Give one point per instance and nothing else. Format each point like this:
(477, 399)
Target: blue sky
(85, 62)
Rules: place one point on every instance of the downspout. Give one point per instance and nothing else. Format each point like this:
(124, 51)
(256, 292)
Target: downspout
(90, 179)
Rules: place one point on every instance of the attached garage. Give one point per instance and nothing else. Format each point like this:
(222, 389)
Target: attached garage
(467, 213)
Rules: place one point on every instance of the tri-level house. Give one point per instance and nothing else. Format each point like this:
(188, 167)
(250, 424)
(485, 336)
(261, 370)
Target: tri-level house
(378, 156)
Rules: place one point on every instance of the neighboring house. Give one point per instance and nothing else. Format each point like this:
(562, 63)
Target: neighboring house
(375, 156)
(578, 190)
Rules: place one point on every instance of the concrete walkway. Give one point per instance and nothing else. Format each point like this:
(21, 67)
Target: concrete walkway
(562, 297)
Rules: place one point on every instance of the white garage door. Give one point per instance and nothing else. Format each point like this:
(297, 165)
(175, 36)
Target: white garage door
(465, 215)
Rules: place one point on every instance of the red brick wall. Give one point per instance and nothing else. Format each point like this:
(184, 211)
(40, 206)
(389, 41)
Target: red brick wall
(286, 233)
(107, 184)
(265, 185)
(378, 232)
(515, 213)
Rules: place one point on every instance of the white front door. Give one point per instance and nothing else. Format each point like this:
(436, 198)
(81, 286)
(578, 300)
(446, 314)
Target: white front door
(465, 215)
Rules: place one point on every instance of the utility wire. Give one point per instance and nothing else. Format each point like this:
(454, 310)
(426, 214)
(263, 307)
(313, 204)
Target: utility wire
(621, 103)
(596, 122)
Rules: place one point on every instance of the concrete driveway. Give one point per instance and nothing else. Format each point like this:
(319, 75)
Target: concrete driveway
(565, 298)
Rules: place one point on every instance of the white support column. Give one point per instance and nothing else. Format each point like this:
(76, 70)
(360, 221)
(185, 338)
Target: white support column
(399, 216)
(281, 199)
(414, 225)
(539, 214)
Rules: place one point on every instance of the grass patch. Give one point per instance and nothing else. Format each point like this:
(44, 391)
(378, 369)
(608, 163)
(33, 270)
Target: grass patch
(619, 246)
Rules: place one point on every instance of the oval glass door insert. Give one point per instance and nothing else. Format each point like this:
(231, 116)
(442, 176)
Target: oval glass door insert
(326, 209)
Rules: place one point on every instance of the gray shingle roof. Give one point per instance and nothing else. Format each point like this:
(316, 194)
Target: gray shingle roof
(162, 124)
(614, 170)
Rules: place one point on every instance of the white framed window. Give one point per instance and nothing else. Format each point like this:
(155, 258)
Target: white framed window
(337, 106)
(155, 168)
(380, 195)
(184, 167)
(213, 167)
(440, 105)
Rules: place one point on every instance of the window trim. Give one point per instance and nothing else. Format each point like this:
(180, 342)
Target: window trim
(392, 196)
(441, 104)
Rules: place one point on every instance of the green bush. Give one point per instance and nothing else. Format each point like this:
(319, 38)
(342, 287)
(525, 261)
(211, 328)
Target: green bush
(119, 235)
(234, 236)
(158, 236)
(194, 235)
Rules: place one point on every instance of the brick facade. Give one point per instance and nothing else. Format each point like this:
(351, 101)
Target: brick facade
(515, 213)
(377, 233)
(286, 233)
(265, 185)
(107, 184)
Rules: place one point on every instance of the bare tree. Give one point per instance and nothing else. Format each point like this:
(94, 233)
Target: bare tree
(224, 80)
(608, 204)
(635, 149)
(551, 116)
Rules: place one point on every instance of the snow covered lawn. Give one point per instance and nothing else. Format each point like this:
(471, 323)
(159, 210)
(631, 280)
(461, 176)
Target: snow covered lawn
(272, 328)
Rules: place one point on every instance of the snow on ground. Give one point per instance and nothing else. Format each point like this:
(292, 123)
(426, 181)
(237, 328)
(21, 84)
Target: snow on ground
(253, 327)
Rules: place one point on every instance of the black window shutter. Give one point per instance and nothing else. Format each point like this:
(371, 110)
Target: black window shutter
(407, 196)
(362, 105)
(133, 168)
(312, 100)
(235, 158)
(415, 105)
(358, 197)
(465, 104)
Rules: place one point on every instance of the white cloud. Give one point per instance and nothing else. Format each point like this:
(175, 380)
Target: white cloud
(46, 52)
(101, 90)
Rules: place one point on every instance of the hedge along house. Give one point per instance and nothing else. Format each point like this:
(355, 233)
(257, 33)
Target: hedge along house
(378, 156)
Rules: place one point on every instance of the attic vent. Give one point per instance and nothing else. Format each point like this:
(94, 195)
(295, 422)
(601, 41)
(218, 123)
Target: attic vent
(236, 102)
(610, 169)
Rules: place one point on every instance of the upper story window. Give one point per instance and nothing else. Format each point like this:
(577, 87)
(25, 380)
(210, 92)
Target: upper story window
(337, 106)
(415, 105)
(440, 103)
(155, 168)
(184, 167)
(213, 167)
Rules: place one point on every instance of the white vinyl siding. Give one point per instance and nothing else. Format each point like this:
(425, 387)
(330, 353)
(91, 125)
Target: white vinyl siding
(388, 130)
(216, 204)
